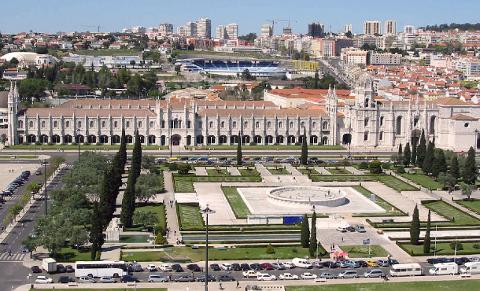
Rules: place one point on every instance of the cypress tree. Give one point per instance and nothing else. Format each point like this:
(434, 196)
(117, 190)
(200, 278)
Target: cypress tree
(427, 240)
(470, 169)
(123, 149)
(428, 161)
(454, 168)
(439, 163)
(312, 249)
(407, 155)
(305, 233)
(413, 158)
(239, 150)
(421, 150)
(415, 227)
(96, 232)
(304, 156)
(400, 153)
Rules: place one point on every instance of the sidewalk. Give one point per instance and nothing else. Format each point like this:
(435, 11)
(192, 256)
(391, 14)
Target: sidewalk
(171, 210)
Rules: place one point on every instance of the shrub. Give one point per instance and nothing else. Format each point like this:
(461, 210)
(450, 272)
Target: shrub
(375, 167)
(270, 249)
(458, 244)
(476, 246)
(172, 167)
(400, 170)
(183, 169)
(363, 166)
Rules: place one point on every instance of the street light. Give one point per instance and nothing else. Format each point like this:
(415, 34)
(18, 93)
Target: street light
(45, 184)
(78, 142)
(206, 211)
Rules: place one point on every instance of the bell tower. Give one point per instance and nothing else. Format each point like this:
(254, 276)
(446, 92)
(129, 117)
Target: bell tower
(13, 101)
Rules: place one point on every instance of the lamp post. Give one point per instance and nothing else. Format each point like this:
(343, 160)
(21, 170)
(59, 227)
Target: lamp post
(78, 142)
(45, 185)
(206, 211)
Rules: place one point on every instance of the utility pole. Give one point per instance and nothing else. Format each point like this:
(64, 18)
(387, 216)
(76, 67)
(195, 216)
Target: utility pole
(206, 211)
(45, 186)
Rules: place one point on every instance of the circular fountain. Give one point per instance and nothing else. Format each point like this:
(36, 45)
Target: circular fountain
(307, 195)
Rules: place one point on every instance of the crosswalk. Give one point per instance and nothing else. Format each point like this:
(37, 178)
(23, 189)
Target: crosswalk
(14, 257)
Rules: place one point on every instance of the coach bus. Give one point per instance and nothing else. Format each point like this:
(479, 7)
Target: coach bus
(96, 269)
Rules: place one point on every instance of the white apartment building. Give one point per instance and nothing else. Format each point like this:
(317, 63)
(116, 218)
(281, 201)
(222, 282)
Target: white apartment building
(191, 29)
(371, 27)
(204, 28)
(266, 30)
(165, 29)
(347, 28)
(353, 56)
(470, 67)
(390, 27)
(387, 59)
(232, 31)
(220, 32)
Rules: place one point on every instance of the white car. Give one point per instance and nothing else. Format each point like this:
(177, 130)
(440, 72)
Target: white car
(86, 279)
(226, 266)
(151, 268)
(288, 276)
(43, 280)
(289, 265)
(266, 277)
(308, 276)
(107, 279)
(166, 267)
(250, 274)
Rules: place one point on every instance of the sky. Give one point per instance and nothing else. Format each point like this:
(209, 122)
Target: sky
(113, 15)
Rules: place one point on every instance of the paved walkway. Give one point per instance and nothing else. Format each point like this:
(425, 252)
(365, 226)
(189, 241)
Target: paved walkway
(292, 170)
(201, 171)
(172, 221)
(322, 171)
(354, 171)
(262, 170)
(234, 171)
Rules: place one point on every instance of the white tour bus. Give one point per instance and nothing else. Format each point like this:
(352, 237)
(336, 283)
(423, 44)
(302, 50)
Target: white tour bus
(399, 270)
(471, 268)
(100, 269)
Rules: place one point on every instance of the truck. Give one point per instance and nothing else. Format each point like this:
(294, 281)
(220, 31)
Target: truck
(444, 269)
(470, 268)
(49, 265)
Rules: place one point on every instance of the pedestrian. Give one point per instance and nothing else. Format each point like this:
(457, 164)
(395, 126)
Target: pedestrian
(238, 284)
(342, 238)
(221, 287)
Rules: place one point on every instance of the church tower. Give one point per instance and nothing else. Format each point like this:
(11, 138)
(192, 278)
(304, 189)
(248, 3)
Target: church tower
(12, 113)
(364, 93)
(332, 108)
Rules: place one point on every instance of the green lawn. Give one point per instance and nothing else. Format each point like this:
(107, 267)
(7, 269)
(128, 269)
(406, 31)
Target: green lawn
(158, 209)
(395, 183)
(217, 172)
(186, 254)
(361, 251)
(389, 208)
(109, 52)
(473, 205)
(338, 171)
(395, 286)
(423, 180)
(184, 184)
(278, 171)
(190, 217)
(307, 171)
(236, 202)
(134, 238)
(68, 254)
(443, 248)
(342, 178)
(455, 215)
(250, 171)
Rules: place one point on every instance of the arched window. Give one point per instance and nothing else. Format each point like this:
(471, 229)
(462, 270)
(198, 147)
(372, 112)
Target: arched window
(210, 124)
(257, 124)
(43, 123)
(302, 124)
(222, 124)
(20, 123)
(115, 124)
(381, 120)
(365, 122)
(234, 124)
(365, 136)
(162, 124)
(291, 124)
(103, 123)
(30, 124)
(79, 124)
(55, 124)
(245, 124)
(140, 124)
(92, 123)
(280, 124)
(325, 125)
(380, 137)
(398, 126)
(432, 124)
(314, 124)
(269, 124)
(152, 124)
(67, 124)
(127, 124)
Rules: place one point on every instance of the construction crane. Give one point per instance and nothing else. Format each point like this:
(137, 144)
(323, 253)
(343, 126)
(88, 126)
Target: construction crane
(92, 26)
(273, 21)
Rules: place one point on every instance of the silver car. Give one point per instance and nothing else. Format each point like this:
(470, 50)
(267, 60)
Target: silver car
(374, 273)
(86, 280)
(348, 274)
(157, 278)
(107, 279)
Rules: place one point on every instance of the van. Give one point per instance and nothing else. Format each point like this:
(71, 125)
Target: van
(471, 268)
(302, 263)
(444, 269)
(400, 270)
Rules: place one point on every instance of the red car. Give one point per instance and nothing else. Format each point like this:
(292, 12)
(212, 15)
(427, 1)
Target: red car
(267, 266)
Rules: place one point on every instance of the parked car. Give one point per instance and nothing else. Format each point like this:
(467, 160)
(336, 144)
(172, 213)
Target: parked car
(215, 267)
(256, 267)
(343, 264)
(194, 267)
(250, 274)
(245, 267)
(128, 278)
(65, 279)
(288, 276)
(177, 268)
(201, 278)
(157, 278)
(86, 279)
(348, 274)
(374, 273)
(165, 267)
(225, 277)
(267, 266)
(61, 268)
(151, 268)
(43, 280)
(383, 263)
(36, 269)
(308, 276)
(279, 266)
(289, 265)
(107, 279)
(331, 265)
(69, 269)
(135, 267)
(327, 275)
(236, 267)
(185, 278)
(226, 266)
(266, 277)
(372, 263)
(360, 228)
(363, 264)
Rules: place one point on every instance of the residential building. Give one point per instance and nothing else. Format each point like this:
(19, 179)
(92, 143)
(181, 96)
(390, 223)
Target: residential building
(387, 59)
(347, 28)
(353, 56)
(390, 27)
(231, 31)
(316, 29)
(165, 29)
(266, 30)
(371, 27)
(220, 32)
(204, 28)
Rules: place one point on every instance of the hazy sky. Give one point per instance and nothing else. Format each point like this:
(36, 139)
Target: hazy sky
(113, 15)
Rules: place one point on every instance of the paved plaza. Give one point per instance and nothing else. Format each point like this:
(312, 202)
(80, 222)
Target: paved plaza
(11, 171)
